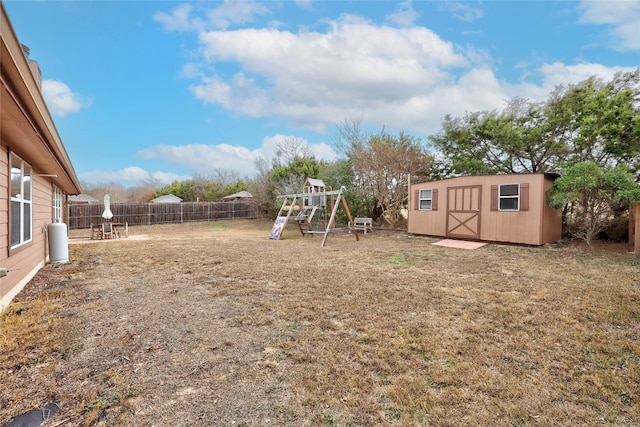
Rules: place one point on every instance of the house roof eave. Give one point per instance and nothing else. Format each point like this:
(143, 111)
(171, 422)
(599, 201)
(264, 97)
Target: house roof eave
(25, 116)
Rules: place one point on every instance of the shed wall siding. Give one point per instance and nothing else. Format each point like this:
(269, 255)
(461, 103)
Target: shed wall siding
(537, 225)
(552, 218)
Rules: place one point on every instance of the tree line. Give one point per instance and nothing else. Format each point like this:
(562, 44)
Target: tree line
(587, 133)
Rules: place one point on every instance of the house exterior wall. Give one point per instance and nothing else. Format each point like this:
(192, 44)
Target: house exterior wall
(24, 262)
(471, 198)
(27, 129)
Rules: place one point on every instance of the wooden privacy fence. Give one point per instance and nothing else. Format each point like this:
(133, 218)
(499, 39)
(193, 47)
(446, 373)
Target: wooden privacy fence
(81, 216)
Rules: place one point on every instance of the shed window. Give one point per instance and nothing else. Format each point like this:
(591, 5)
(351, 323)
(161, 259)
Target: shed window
(426, 200)
(509, 197)
(20, 201)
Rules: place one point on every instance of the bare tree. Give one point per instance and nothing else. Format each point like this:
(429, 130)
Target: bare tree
(290, 149)
(223, 176)
(382, 165)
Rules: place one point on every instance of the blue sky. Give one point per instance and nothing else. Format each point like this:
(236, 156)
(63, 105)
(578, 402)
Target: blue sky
(166, 90)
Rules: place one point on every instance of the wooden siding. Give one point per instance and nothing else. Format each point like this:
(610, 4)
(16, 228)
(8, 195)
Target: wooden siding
(534, 223)
(552, 218)
(24, 261)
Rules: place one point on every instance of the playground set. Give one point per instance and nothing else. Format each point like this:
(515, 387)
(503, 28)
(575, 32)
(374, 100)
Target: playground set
(314, 211)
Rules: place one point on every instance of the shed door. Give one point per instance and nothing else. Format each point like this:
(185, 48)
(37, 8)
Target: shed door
(463, 211)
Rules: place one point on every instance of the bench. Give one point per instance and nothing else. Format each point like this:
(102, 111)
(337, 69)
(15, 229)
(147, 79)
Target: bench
(108, 230)
(363, 224)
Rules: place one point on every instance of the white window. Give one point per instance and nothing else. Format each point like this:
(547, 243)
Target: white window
(509, 197)
(20, 201)
(57, 204)
(426, 200)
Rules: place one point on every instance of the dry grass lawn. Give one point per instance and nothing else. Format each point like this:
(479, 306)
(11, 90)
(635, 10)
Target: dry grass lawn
(213, 324)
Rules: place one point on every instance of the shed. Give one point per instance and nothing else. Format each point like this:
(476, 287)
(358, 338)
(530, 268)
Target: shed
(503, 208)
(82, 199)
(168, 198)
(241, 195)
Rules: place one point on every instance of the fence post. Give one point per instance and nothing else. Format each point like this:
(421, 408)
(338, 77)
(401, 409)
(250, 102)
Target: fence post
(636, 234)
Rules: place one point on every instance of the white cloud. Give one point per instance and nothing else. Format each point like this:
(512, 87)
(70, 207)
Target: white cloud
(467, 12)
(235, 12)
(179, 19)
(228, 13)
(130, 177)
(558, 73)
(203, 159)
(304, 4)
(402, 78)
(213, 90)
(623, 18)
(318, 78)
(405, 16)
(61, 100)
(550, 75)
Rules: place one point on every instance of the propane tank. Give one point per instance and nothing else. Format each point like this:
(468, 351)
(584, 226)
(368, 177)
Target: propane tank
(58, 242)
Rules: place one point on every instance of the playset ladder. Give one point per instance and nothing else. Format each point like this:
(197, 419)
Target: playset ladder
(304, 220)
(288, 205)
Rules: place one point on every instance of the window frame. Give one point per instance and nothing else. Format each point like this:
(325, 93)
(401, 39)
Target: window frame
(56, 208)
(20, 172)
(515, 197)
(425, 199)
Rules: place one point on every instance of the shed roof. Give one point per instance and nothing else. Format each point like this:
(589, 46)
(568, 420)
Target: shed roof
(239, 195)
(551, 175)
(82, 198)
(167, 198)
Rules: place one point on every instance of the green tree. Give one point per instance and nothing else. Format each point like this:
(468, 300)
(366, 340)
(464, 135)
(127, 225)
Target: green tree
(517, 140)
(593, 120)
(590, 193)
(602, 120)
(292, 165)
(463, 149)
(185, 190)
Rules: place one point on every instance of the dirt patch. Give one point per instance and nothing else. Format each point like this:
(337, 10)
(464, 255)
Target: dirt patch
(214, 324)
(85, 240)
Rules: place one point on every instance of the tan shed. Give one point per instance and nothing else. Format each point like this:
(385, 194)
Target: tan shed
(503, 208)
